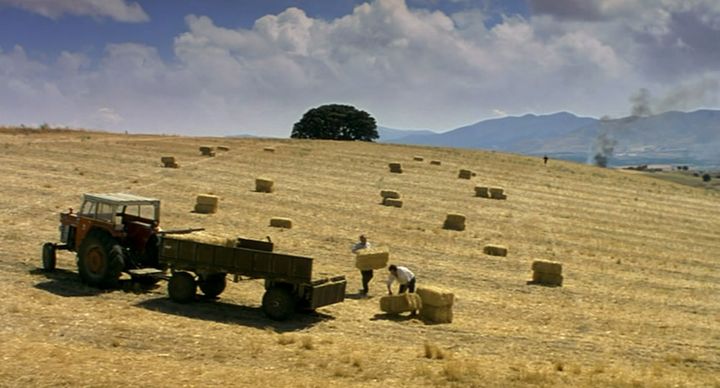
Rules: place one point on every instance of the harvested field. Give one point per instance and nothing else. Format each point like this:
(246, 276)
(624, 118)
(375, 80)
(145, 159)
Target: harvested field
(638, 307)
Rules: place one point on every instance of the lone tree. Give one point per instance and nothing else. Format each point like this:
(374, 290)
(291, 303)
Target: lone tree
(336, 122)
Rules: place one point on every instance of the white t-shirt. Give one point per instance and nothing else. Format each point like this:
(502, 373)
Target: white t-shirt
(360, 245)
(404, 276)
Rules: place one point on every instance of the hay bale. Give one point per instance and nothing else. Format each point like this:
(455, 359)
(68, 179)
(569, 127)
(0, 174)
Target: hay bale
(482, 191)
(437, 314)
(497, 193)
(495, 250)
(392, 202)
(418, 158)
(389, 194)
(205, 209)
(264, 185)
(168, 162)
(395, 304)
(206, 203)
(396, 168)
(549, 267)
(548, 279)
(206, 238)
(207, 199)
(465, 174)
(207, 151)
(269, 149)
(281, 222)
(434, 296)
(454, 222)
(223, 148)
(367, 259)
(435, 162)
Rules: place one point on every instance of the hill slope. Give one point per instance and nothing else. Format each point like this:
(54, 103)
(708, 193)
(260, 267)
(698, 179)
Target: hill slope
(639, 305)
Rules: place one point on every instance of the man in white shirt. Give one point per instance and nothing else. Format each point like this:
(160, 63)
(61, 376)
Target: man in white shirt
(368, 274)
(403, 276)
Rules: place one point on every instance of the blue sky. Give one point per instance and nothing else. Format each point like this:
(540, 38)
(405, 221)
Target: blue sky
(227, 67)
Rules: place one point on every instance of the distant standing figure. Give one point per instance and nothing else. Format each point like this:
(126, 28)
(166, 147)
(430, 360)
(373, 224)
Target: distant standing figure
(367, 275)
(545, 159)
(404, 277)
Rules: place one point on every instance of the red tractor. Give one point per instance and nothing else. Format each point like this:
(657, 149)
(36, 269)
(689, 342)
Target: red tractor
(111, 233)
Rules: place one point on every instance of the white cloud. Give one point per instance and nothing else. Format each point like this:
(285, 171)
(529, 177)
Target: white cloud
(118, 10)
(407, 67)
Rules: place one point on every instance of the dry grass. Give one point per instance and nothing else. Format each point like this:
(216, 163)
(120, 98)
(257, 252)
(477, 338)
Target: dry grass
(638, 307)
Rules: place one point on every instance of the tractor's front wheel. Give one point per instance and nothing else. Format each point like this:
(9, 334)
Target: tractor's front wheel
(100, 260)
(182, 287)
(278, 303)
(213, 285)
(49, 256)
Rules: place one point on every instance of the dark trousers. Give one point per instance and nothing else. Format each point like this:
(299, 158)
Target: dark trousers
(410, 287)
(366, 277)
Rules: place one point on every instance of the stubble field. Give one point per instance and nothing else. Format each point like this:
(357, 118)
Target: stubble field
(640, 305)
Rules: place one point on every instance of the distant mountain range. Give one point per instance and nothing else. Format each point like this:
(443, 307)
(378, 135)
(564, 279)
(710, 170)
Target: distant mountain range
(669, 138)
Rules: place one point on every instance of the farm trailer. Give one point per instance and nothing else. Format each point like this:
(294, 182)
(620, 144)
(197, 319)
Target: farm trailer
(288, 279)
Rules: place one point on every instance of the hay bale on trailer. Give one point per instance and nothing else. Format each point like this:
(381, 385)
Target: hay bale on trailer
(547, 273)
(207, 151)
(465, 174)
(400, 303)
(281, 222)
(269, 149)
(454, 221)
(206, 203)
(223, 148)
(264, 185)
(482, 191)
(495, 250)
(497, 193)
(435, 162)
(168, 162)
(418, 158)
(396, 168)
(389, 194)
(207, 238)
(392, 202)
(367, 259)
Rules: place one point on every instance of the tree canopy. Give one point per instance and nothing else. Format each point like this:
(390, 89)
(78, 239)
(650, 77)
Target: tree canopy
(336, 122)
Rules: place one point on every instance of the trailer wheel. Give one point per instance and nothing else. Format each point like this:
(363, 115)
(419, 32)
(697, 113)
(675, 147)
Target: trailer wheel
(278, 303)
(182, 287)
(49, 256)
(213, 285)
(100, 260)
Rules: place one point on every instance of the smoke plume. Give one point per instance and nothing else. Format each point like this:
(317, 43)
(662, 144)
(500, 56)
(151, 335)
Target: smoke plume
(641, 103)
(604, 147)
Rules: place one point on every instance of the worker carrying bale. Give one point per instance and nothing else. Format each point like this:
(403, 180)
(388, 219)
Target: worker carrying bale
(366, 274)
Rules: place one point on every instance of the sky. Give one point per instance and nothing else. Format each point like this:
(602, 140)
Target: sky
(230, 67)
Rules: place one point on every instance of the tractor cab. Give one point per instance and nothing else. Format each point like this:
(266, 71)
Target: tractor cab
(129, 218)
(110, 233)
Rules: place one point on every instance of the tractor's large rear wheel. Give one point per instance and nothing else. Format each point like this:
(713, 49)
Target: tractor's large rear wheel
(278, 303)
(100, 260)
(182, 287)
(213, 285)
(49, 256)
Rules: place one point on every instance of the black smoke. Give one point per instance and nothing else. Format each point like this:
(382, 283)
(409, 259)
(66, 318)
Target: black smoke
(604, 148)
(641, 103)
